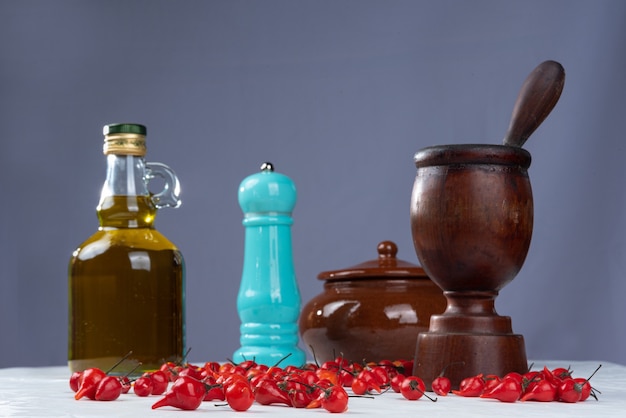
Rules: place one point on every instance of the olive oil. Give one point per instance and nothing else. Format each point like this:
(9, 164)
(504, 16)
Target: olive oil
(127, 281)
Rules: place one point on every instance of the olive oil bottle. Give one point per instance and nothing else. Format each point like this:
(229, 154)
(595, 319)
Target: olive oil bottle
(127, 281)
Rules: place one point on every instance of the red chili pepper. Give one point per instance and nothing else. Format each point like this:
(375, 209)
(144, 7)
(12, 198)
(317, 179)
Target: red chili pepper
(471, 386)
(549, 376)
(585, 389)
(345, 378)
(335, 399)
(405, 367)
(412, 388)
(299, 398)
(143, 386)
(255, 374)
(186, 393)
(540, 390)
(569, 391)
(359, 386)
(247, 364)
(326, 374)
(191, 371)
(170, 369)
(89, 383)
(308, 377)
(356, 368)
(276, 373)
(514, 375)
(228, 379)
(382, 376)
(441, 385)
(319, 387)
(293, 382)
(226, 368)
(396, 382)
(370, 379)
(125, 381)
(342, 362)
(508, 390)
(159, 382)
(212, 366)
(530, 375)
(267, 392)
(109, 389)
(491, 381)
(215, 391)
(239, 395)
(561, 373)
(75, 380)
(389, 366)
(331, 365)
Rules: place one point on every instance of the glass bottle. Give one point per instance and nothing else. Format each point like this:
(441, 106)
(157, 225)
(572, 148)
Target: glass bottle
(127, 281)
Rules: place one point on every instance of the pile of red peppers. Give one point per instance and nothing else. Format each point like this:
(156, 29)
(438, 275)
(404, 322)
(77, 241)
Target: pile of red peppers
(187, 386)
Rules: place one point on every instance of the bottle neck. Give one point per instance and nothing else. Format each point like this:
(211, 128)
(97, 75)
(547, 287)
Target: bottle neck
(125, 176)
(125, 201)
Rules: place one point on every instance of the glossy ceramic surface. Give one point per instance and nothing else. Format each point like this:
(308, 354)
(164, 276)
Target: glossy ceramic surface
(372, 311)
(268, 302)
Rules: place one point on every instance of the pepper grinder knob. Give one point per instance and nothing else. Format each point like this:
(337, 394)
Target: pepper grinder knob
(268, 302)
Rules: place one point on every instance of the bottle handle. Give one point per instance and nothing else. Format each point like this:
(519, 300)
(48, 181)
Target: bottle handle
(170, 195)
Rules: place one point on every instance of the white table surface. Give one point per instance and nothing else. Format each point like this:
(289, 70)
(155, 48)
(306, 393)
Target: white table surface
(45, 392)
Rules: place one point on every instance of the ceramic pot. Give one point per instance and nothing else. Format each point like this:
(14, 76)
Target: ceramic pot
(372, 311)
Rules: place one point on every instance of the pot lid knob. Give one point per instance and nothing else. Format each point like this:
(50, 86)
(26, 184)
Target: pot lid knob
(387, 250)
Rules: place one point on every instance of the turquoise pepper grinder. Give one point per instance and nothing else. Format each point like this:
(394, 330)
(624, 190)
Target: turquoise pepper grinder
(268, 302)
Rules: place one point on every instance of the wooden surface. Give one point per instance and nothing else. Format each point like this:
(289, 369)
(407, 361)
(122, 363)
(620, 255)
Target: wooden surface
(537, 97)
(471, 220)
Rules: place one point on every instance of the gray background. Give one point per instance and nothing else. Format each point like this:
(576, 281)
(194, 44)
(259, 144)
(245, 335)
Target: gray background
(339, 95)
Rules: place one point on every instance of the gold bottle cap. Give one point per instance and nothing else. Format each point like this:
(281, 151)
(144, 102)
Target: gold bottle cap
(125, 139)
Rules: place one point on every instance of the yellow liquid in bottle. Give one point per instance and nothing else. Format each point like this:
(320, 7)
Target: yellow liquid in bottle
(126, 292)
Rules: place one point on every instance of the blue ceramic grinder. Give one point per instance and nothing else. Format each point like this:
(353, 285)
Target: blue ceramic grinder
(268, 302)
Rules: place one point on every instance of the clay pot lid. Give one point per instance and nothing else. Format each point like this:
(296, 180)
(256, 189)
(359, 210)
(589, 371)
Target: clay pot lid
(385, 266)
